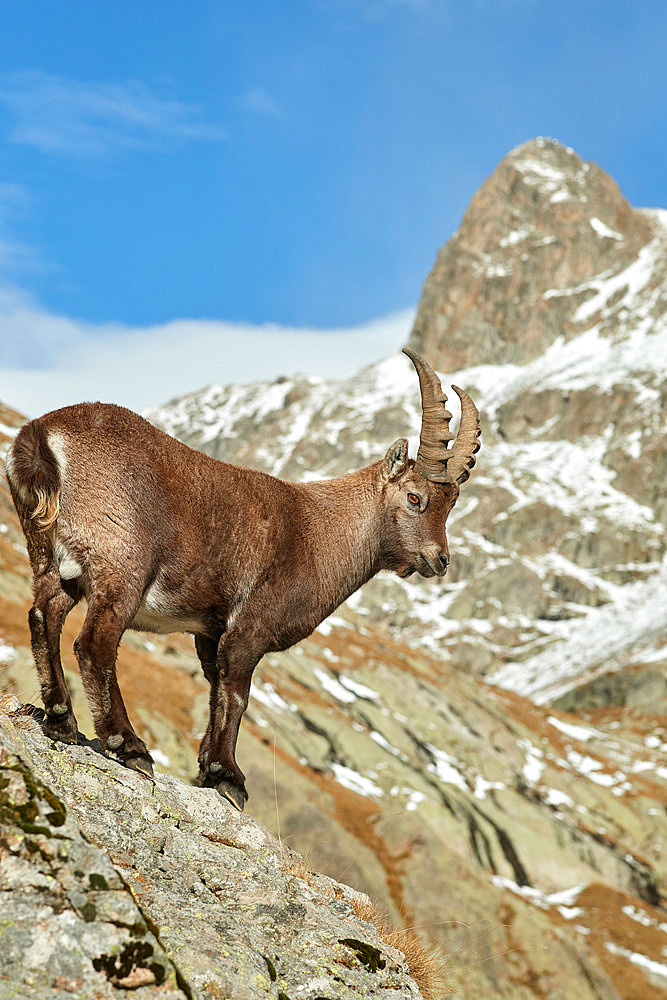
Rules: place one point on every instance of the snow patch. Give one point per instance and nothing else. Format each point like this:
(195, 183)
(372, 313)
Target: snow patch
(360, 690)
(268, 696)
(575, 732)
(333, 687)
(649, 965)
(635, 618)
(355, 782)
(534, 763)
(603, 230)
(446, 768)
(563, 899)
(482, 786)
(556, 798)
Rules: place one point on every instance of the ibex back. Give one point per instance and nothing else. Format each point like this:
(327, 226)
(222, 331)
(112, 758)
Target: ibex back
(161, 538)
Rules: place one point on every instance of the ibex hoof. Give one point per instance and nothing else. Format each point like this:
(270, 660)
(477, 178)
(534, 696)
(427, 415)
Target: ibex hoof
(60, 737)
(237, 796)
(141, 764)
(62, 728)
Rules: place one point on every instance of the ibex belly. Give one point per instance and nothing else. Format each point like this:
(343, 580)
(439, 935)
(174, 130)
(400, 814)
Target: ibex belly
(158, 613)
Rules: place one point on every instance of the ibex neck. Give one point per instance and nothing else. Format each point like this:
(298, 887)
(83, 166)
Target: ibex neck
(347, 514)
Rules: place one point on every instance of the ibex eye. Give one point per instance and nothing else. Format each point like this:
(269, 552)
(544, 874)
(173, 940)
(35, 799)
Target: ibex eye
(413, 499)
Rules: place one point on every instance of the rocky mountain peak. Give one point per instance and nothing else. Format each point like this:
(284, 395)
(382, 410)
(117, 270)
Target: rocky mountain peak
(544, 221)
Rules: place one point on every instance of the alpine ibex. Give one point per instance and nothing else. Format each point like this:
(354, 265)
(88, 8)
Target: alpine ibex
(161, 538)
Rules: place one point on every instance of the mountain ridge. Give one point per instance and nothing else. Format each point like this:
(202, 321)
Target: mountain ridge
(522, 836)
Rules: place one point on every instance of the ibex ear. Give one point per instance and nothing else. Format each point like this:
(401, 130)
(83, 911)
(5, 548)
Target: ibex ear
(395, 462)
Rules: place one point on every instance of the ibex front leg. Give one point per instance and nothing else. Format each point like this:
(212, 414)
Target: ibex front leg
(207, 651)
(229, 700)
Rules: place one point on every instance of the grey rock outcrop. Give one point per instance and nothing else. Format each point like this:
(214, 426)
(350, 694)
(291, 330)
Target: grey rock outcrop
(544, 220)
(109, 882)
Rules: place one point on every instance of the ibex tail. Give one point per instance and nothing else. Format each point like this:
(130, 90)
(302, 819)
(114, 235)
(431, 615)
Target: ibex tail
(34, 475)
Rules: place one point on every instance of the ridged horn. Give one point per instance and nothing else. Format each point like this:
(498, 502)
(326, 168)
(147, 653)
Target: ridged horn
(435, 460)
(467, 442)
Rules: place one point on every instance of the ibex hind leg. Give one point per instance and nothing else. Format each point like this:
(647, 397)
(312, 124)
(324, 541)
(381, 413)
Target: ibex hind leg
(52, 601)
(52, 604)
(96, 648)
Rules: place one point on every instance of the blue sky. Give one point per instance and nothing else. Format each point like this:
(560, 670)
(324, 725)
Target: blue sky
(223, 190)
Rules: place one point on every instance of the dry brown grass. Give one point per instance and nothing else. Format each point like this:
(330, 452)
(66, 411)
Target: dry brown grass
(22, 716)
(427, 966)
(295, 866)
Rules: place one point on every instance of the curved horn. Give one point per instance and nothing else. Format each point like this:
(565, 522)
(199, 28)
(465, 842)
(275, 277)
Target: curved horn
(435, 461)
(467, 442)
(433, 452)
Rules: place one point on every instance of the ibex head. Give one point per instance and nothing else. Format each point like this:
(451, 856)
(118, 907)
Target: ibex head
(421, 494)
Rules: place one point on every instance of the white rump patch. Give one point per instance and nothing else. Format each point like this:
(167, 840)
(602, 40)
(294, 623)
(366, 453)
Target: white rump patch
(69, 566)
(56, 442)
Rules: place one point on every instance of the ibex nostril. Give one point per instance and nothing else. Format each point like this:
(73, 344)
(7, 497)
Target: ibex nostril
(443, 562)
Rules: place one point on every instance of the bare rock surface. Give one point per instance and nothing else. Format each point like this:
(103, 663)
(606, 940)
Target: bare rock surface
(545, 220)
(110, 882)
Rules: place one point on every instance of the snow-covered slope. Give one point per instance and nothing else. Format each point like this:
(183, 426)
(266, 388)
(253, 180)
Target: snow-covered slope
(558, 541)
(548, 549)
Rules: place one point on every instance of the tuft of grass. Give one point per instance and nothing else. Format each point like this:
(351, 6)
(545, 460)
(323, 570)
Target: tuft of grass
(22, 716)
(295, 866)
(427, 966)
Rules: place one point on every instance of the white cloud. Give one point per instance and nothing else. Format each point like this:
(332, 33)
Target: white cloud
(93, 119)
(138, 367)
(258, 100)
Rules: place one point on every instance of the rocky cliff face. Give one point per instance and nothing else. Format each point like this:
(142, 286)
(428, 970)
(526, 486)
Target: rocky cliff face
(526, 842)
(110, 882)
(507, 285)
